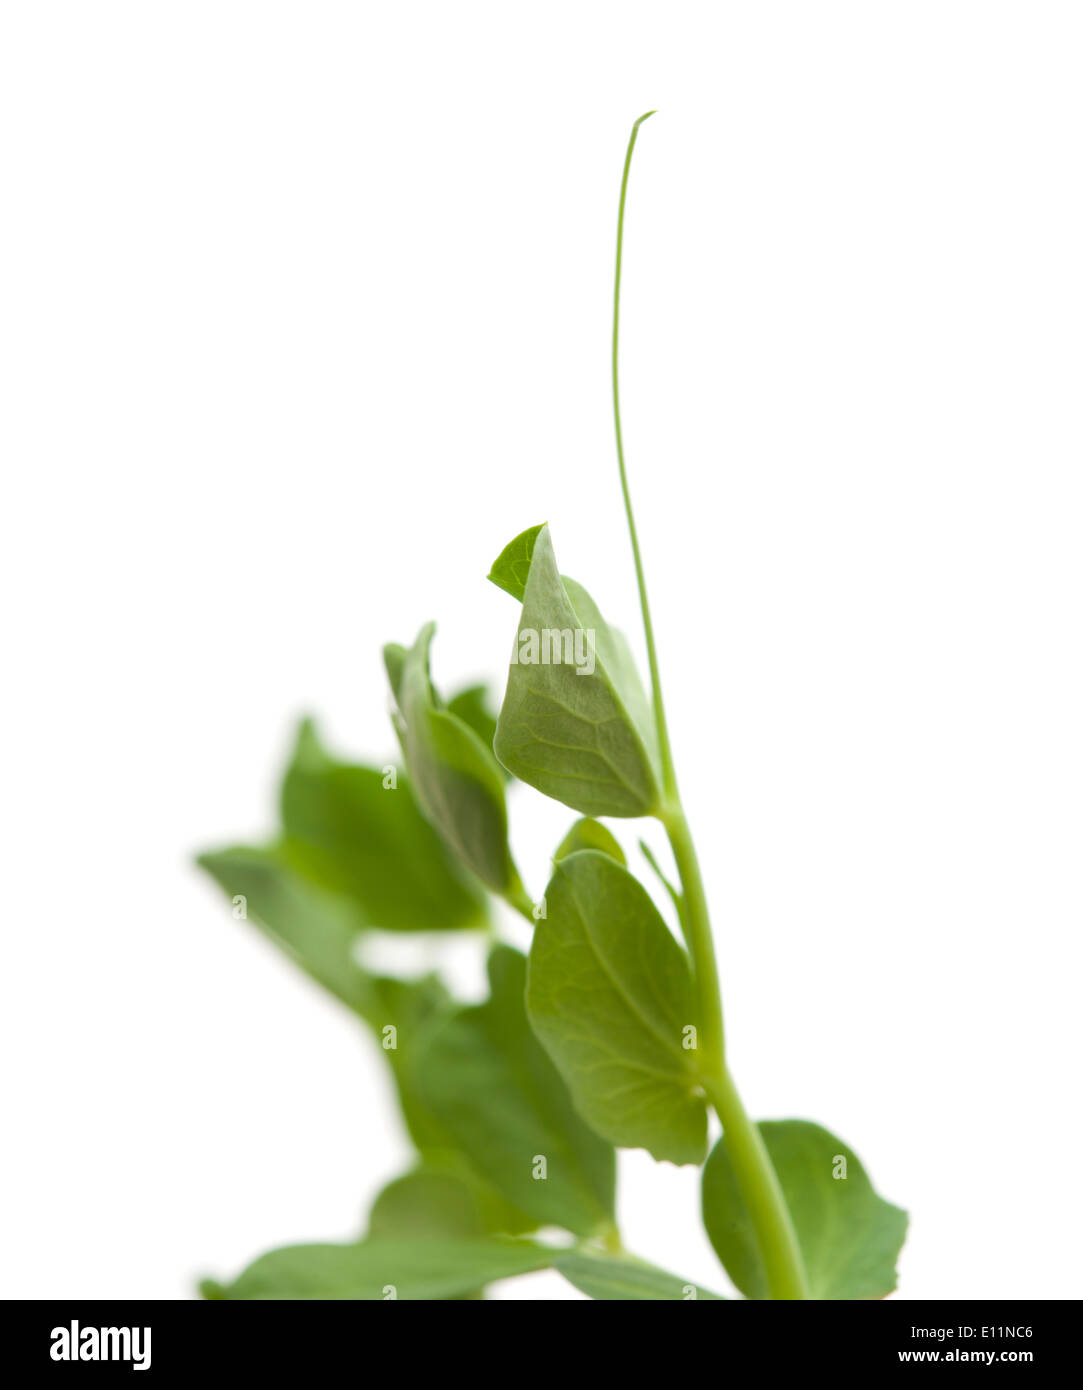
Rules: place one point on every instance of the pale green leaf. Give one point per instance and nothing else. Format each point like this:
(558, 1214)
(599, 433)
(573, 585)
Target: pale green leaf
(320, 932)
(316, 929)
(850, 1237)
(382, 1268)
(610, 995)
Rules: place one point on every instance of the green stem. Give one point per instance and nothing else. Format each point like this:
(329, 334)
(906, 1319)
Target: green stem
(756, 1176)
(697, 925)
(758, 1181)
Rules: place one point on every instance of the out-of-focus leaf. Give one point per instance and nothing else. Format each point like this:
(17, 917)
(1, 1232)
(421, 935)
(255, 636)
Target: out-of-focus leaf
(620, 1278)
(589, 834)
(492, 1087)
(402, 1013)
(316, 929)
(357, 831)
(427, 1202)
(444, 1198)
(382, 1268)
(320, 931)
(355, 855)
(395, 663)
(472, 706)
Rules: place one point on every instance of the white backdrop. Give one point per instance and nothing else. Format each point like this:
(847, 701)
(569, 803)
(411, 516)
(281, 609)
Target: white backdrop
(305, 313)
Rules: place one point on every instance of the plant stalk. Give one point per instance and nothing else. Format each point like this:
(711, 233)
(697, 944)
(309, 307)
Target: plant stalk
(761, 1190)
(700, 941)
(755, 1173)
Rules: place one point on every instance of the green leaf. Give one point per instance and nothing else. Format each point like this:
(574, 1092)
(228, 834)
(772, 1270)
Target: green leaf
(394, 664)
(444, 1198)
(625, 1277)
(316, 929)
(427, 1202)
(471, 705)
(381, 1268)
(355, 831)
(491, 1086)
(431, 1202)
(850, 1238)
(610, 995)
(615, 655)
(455, 778)
(402, 1013)
(320, 932)
(405, 1015)
(589, 834)
(575, 727)
(512, 566)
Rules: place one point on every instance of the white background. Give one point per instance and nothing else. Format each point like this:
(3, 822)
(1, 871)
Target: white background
(305, 313)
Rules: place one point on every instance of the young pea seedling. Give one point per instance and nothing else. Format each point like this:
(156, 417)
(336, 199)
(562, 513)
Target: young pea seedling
(608, 1035)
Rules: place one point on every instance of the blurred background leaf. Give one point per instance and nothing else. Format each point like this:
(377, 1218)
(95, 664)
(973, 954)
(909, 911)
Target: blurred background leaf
(348, 830)
(490, 1083)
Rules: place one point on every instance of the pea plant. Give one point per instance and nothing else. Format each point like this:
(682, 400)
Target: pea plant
(608, 1034)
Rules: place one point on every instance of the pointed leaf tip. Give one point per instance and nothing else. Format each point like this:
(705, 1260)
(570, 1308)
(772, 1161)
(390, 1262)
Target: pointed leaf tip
(512, 566)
